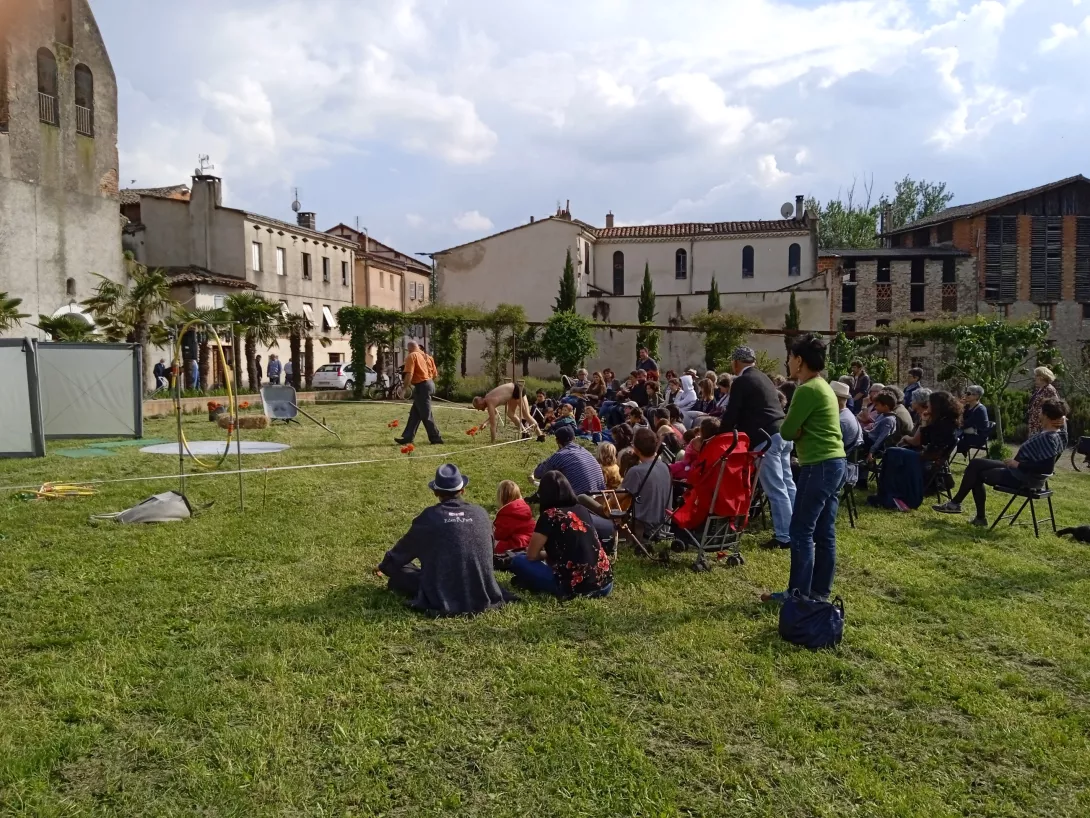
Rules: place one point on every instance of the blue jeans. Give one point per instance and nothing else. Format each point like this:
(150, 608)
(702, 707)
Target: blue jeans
(813, 528)
(539, 577)
(779, 487)
(593, 437)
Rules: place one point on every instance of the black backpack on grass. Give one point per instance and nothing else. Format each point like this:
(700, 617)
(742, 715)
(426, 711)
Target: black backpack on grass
(811, 624)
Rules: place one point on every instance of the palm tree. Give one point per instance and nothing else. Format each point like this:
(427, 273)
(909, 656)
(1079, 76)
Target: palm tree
(10, 317)
(258, 322)
(68, 328)
(298, 328)
(131, 312)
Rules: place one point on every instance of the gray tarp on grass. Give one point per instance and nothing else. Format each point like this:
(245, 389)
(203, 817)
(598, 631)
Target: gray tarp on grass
(90, 390)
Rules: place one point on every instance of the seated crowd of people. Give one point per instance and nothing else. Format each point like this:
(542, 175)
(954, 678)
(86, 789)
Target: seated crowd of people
(646, 436)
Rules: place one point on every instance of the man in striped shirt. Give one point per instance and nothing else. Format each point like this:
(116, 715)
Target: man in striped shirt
(574, 462)
(1035, 460)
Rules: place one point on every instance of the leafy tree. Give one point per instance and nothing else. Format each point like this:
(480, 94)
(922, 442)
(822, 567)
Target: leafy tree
(844, 222)
(68, 328)
(10, 317)
(713, 297)
(987, 351)
(568, 341)
(792, 323)
(723, 331)
(448, 322)
(132, 311)
(767, 364)
(864, 348)
(565, 301)
(529, 348)
(256, 321)
(500, 326)
(368, 327)
(914, 200)
(645, 311)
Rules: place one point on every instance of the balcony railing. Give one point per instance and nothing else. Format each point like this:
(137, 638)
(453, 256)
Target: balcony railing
(949, 297)
(883, 300)
(85, 121)
(47, 109)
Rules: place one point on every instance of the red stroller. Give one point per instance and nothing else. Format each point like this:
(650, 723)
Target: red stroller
(715, 509)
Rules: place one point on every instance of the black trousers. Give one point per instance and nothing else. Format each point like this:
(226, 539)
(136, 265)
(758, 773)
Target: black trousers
(980, 473)
(421, 413)
(405, 581)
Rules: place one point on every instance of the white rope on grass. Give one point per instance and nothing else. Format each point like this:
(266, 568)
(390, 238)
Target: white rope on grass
(268, 469)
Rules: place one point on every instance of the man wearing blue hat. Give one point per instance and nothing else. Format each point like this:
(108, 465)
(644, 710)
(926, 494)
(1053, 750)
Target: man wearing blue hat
(453, 543)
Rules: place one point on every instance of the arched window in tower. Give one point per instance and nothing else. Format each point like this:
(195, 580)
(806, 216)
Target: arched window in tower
(62, 21)
(618, 273)
(85, 101)
(3, 85)
(681, 264)
(70, 286)
(48, 111)
(794, 260)
(747, 261)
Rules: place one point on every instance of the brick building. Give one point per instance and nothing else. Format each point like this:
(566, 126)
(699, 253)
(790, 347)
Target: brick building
(1030, 254)
(873, 288)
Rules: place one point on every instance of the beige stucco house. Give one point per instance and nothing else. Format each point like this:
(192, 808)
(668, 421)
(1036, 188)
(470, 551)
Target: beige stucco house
(755, 264)
(212, 251)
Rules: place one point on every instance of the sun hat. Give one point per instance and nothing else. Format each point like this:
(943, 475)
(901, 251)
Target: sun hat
(841, 390)
(744, 354)
(448, 479)
(631, 405)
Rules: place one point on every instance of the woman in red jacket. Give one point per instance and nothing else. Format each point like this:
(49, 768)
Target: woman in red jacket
(515, 521)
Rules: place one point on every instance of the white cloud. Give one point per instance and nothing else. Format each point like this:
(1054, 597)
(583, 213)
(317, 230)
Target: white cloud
(802, 156)
(472, 220)
(1061, 33)
(414, 219)
(768, 172)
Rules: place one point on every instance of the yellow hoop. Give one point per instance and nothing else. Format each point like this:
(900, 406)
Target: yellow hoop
(232, 398)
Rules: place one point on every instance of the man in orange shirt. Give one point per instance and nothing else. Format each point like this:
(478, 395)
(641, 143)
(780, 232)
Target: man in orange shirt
(420, 373)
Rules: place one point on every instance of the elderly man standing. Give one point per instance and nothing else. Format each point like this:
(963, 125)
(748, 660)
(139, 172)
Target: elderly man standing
(754, 408)
(420, 373)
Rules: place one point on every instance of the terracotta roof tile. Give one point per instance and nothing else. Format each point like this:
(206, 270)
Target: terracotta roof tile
(132, 195)
(700, 229)
(199, 275)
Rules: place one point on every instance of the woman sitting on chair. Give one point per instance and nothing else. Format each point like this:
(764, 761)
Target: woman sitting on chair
(1034, 462)
(565, 557)
(974, 421)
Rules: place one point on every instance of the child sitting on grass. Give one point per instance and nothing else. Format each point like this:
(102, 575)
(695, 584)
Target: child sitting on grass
(514, 524)
(611, 471)
(565, 417)
(592, 425)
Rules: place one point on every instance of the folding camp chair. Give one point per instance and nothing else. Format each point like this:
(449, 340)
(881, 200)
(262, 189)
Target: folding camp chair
(847, 494)
(715, 511)
(970, 447)
(1029, 495)
(620, 508)
(940, 480)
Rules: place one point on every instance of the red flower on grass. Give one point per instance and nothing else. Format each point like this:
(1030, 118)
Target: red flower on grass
(393, 424)
(473, 432)
(409, 449)
(244, 405)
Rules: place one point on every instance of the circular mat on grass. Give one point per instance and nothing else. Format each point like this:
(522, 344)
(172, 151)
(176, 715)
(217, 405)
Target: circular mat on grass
(210, 447)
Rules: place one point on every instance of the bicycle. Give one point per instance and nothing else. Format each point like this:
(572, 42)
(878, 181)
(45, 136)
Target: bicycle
(390, 387)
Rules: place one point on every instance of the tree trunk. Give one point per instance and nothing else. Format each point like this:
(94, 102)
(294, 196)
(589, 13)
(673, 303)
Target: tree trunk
(465, 339)
(204, 361)
(236, 359)
(308, 360)
(295, 343)
(251, 364)
(140, 336)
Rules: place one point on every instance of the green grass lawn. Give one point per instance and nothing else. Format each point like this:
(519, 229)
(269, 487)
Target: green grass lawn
(249, 664)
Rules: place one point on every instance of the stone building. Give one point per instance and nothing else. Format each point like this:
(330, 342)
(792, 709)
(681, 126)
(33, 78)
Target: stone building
(755, 265)
(387, 278)
(872, 289)
(59, 224)
(211, 251)
(1030, 254)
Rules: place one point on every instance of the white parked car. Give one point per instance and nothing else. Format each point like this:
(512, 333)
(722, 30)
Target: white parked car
(341, 376)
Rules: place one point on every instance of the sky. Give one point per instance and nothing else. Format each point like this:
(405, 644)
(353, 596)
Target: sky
(436, 122)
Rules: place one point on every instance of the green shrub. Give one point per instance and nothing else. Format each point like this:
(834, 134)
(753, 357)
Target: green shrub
(1014, 404)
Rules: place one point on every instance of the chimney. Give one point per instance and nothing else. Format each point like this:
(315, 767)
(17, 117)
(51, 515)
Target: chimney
(609, 219)
(799, 207)
(307, 220)
(885, 223)
(531, 220)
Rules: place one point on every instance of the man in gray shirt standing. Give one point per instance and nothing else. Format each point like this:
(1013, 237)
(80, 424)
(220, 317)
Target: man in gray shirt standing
(453, 542)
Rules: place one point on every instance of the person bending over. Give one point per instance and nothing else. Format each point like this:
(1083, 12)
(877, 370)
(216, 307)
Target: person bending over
(565, 557)
(1035, 460)
(453, 543)
(512, 396)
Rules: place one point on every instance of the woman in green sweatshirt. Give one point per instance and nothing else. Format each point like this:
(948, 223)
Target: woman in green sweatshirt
(813, 423)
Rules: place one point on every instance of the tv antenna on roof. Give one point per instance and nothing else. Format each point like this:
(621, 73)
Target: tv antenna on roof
(787, 210)
(205, 165)
(296, 206)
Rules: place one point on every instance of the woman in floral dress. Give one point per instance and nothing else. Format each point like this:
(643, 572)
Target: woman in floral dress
(1043, 389)
(565, 557)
